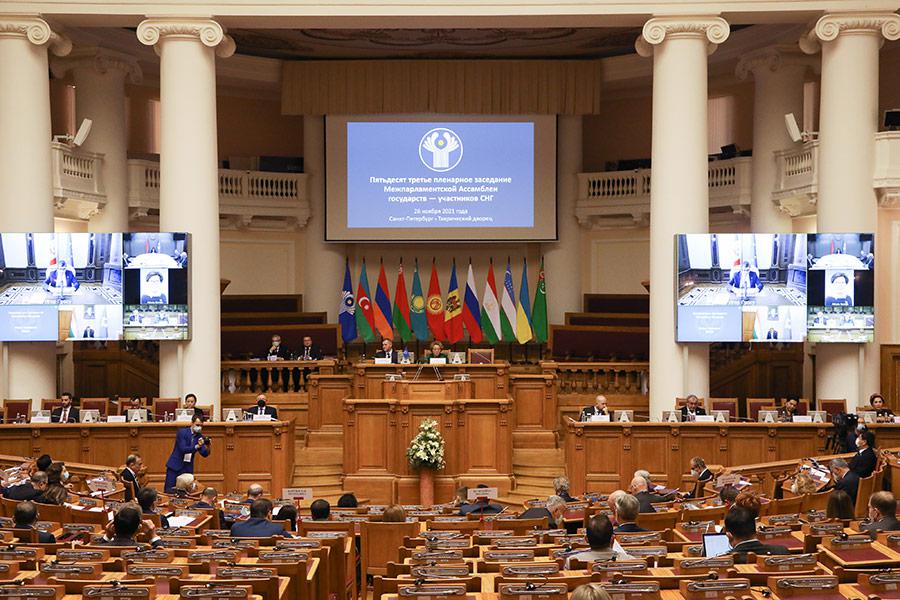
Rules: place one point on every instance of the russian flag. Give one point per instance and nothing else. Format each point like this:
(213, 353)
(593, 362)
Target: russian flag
(471, 310)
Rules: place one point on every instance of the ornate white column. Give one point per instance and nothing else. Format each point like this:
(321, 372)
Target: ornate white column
(777, 73)
(100, 76)
(189, 189)
(848, 120)
(26, 192)
(323, 266)
(679, 194)
(562, 258)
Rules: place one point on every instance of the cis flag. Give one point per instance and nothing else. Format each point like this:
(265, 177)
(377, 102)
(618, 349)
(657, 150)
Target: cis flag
(348, 308)
(471, 311)
(523, 309)
(382, 307)
(435, 307)
(453, 324)
(401, 307)
(508, 307)
(490, 309)
(418, 319)
(365, 318)
(539, 314)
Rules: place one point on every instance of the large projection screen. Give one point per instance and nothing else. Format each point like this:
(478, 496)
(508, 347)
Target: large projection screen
(405, 178)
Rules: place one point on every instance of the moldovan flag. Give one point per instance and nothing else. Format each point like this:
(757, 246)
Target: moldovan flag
(382, 307)
(417, 319)
(539, 309)
(401, 307)
(453, 324)
(508, 307)
(490, 309)
(434, 307)
(523, 309)
(348, 308)
(471, 311)
(365, 318)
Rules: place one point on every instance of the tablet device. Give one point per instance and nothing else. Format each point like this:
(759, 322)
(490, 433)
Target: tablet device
(715, 544)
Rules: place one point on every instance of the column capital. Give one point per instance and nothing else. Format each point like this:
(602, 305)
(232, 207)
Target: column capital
(771, 59)
(830, 26)
(210, 33)
(712, 28)
(35, 30)
(102, 60)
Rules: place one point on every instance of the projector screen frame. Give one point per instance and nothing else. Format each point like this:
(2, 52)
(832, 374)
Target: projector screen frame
(340, 234)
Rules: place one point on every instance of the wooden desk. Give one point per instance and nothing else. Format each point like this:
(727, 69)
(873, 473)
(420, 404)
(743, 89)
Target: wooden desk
(487, 381)
(241, 453)
(426, 389)
(477, 434)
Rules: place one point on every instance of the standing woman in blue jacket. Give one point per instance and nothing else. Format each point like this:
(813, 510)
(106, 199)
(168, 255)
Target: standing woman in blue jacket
(189, 441)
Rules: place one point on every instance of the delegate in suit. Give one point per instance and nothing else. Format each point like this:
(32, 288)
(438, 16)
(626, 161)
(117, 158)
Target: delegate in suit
(65, 412)
(259, 525)
(387, 351)
(188, 443)
(262, 409)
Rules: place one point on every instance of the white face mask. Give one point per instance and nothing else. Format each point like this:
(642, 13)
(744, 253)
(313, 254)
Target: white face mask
(65, 476)
(196, 428)
(276, 343)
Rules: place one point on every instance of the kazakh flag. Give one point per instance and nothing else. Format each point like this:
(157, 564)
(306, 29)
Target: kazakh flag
(523, 309)
(417, 317)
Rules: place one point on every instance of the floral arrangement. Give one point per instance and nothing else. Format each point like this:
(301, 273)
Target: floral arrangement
(426, 450)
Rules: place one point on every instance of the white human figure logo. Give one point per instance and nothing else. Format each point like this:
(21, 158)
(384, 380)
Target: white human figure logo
(440, 146)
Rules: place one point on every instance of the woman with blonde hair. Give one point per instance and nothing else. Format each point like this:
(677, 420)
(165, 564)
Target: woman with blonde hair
(803, 484)
(590, 591)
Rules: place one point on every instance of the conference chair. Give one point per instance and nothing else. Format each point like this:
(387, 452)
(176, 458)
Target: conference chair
(59, 513)
(464, 525)
(754, 405)
(521, 526)
(98, 404)
(818, 501)
(14, 410)
(783, 506)
(380, 544)
(50, 403)
(833, 406)
(716, 513)
(729, 404)
(679, 402)
(163, 406)
(658, 521)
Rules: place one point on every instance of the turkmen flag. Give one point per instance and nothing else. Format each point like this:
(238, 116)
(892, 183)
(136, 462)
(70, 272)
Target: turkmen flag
(490, 309)
(508, 307)
(401, 307)
(417, 317)
(523, 309)
(348, 308)
(365, 318)
(539, 310)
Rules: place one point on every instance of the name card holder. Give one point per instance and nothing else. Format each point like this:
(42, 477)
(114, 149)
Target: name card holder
(820, 585)
(283, 556)
(882, 582)
(789, 562)
(508, 555)
(690, 566)
(118, 591)
(151, 570)
(211, 555)
(20, 553)
(531, 570)
(515, 542)
(437, 556)
(639, 539)
(633, 591)
(303, 544)
(246, 572)
(849, 542)
(771, 532)
(607, 567)
(445, 572)
(71, 570)
(32, 592)
(431, 592)
(534, 591)
(706, 590)
(149, 555)
(212, 590)
(450, 544)
(9, 570)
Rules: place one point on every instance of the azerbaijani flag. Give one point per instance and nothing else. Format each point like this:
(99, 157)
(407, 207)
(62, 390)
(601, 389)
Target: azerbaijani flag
(401, 307)
(348, 308)
(365, 318)
(490, 309)
(471, 311)
(382, 307)
(418, 320)
(508, 307)
(539, 309)
(453, 324)
(523, 309)
(434, 307)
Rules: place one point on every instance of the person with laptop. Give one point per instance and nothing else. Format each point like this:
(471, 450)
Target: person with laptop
(65, 412)
(788, 410)
(692, 409)
(740, 527)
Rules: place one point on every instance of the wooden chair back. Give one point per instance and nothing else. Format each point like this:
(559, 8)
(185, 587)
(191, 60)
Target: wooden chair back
(754, 405)
(833, 406)
(50, 403)
(716, 513)
(679, 402)
(520, 526)
(100, 404)
(784, 506)
(729, 404)
(463, 526)
(866, 488)
(14, 410)
(658, 521)
(380, 544)
(162, 406)
(54, 512)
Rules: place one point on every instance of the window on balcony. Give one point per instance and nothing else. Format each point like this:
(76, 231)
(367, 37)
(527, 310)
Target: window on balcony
(721, 122)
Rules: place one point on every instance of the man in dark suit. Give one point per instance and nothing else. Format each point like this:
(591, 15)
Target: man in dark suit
(882, 513)
(30, 490)
(277, 350)
(692, 409)
(626, 508)
(259, 523)
(844, 478)
(208, 498)
(740, 526)
(189, 442)
(481, 506)
(645, 499)
(387, 351)
(125, 526)
(129, 476)
(262, 409)
(865, 460)
(309, 351)
(65, 413)
(147, 498)
(788, 410)
(554, 510)
(599, 408)
(699, 470)
(25, 516)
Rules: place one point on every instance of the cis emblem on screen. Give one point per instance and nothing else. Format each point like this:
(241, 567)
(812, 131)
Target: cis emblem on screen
(440, 149)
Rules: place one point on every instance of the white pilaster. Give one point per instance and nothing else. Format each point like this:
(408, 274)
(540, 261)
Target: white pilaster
(100, 77)
(847, 202)
(679, 194)
(26, 194)
(189, 189)
(561, 258)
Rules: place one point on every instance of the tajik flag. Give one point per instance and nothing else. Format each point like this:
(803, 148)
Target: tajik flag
(471, 311)
(508, 307)
(490, 309)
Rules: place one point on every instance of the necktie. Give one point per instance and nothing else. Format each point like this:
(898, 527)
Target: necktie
(64, 417)
(306, 354)
(260, 410)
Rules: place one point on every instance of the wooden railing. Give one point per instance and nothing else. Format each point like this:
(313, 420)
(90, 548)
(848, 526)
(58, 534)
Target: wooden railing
(266, 377)
(600, 377)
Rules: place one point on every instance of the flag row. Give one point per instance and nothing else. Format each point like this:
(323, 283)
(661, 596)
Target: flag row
(501, 316)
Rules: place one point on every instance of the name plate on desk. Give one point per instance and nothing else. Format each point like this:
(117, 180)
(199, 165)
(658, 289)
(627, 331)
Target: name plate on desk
(116, 419)
(258, 417)
(632, 591)
(534, 591)
(618, 566)
(850, 542)
(883, 582)
(515, 542)
(633, 539)
(32, 591)
(206, 555)
(437, 556)
(296, 493)
(148, 555)
(696, 590)
(452, 572)
(116, 591)
(508, 555)
(476, 493)
(431, 591)
(216, 591)
(705, 419)
(599, 419)
(382, 361)
(803, 586)
(437, 361)
(158, 571)
(12, 553)
(789, 562)
(773, 531)
(246, 572)
(71, 569)
(802, 419)
(235, 544)
(446, 544)
(40, 419)
(283, 556)
(543, 570)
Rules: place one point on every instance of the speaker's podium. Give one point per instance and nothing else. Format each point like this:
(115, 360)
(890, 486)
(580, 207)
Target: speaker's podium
(428, 389)
(451, 381)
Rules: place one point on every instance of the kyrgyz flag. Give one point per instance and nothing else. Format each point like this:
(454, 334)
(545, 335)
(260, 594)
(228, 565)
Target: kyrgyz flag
(401, 307)
(523, 309)
(348, 308)
(382, 307)
(490, 309)
(417, 318)
(471, 311)
(539, 309)
(365, 318)
(508, 307)
(453, 324)
(434, 307)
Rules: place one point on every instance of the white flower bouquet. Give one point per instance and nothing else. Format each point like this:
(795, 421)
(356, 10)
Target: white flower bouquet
(426, 450)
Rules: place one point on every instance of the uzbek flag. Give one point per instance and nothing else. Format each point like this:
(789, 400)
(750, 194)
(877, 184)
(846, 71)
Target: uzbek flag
(417, 318)
(471, 310)
(401, 307)
(539, 308)
(453, 324)
(523, 309)
(490, 309)
(434, 306)
(382, 307)
(365, 317)
(348, 308)
(508, 307)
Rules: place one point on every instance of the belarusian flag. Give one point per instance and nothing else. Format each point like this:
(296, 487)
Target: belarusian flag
(365, 318)
(539, 309)
(508, 307)
(490, 309)
(401, 307)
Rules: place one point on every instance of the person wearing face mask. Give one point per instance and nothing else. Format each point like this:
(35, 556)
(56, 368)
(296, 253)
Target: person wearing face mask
(189, 441)
(262, 409)
(56, 492)
(865, 460)
(276, 350)
(701, 475)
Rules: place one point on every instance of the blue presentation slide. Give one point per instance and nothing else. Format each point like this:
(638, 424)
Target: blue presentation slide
(709, 324)
(432, 175)
(34, 323)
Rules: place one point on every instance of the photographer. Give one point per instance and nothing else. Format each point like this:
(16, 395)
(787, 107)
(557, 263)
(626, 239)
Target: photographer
(189, 441)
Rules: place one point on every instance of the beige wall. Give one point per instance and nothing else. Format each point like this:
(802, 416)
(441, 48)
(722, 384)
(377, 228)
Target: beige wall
(263, 262)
